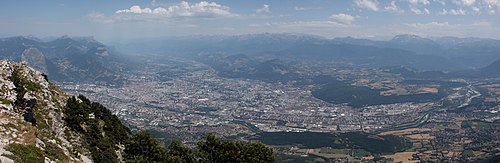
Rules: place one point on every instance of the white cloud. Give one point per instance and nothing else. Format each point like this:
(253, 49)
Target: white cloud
(99, 17)
(96, 15)
(479, 6)
(453, 12)
(300, 8)
(480, 29)
(325, 28)
(429, 25)
(442, 2)
(420, 12)
(302, 25)
(296, 8)
(451, 27)
(136, 10)
(392, 7)
(263, 10)
(476, 10)
(492, 4)
(367, 4)
(183, 9)
(418, 2)
(466, 2)
(343, 18)
(165, 14)
(416, 11)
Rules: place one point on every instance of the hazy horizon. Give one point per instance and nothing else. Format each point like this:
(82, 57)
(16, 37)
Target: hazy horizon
(112, 21)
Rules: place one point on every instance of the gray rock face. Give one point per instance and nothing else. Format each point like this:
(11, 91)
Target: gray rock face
(31, 115)
(65, 59)
(35, 59)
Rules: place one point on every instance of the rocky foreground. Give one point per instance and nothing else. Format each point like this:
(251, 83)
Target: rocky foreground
(31, 118)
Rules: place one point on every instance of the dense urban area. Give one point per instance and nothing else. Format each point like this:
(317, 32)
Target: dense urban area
(197, 101)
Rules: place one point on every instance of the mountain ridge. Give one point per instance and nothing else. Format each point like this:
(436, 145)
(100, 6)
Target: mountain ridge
(41, 123)
(452, 52)
(31, 117)
(65, 58)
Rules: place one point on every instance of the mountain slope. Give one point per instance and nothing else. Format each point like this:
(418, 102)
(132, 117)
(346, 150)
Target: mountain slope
(31, 119)
(416, 44)
(40, 123)
(492, 69)
(63, 59)
(362, 55)
(251, 44)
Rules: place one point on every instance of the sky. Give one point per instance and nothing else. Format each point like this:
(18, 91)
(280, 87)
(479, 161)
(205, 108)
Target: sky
(112, 20)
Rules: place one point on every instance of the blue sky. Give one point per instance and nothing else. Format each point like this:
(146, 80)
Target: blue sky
(127, 19)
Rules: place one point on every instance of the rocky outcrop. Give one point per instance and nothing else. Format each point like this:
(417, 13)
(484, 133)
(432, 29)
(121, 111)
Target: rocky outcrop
(31, 117)
(66, 59)
(35, 59)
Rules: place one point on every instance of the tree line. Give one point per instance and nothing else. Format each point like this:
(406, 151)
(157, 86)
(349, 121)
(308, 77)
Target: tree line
(104, 134)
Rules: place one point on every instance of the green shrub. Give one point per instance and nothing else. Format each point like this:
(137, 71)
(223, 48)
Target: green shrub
(4, 101)
(102, 133)
(25, 153)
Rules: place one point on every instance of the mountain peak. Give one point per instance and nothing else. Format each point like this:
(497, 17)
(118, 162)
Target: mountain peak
(407, 38)
(63, 57)
(25, 39)
(84, 39)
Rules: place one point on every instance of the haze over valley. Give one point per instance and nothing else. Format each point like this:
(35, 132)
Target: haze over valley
(428, 94)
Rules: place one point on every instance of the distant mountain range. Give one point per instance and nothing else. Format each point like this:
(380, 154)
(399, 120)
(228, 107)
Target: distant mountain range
(85, 59)
(243, 66)
(364, 55)
(65, 58)
(251, 44)
(442, 53)
(492, 69)
(463, 53)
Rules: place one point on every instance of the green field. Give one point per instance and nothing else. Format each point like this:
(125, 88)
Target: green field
(337, 92)
(353, 140)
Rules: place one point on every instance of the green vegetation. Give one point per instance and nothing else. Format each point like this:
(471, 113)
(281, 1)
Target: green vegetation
(11, 125)
(53, 152)
(305, 139)
(360, 153)
(22, 84)
(467, 154)
(102, 132)
(143, 148)
(213, 149)
(161, 136)
(328, 150)
(479, 124)
(295, 158)
(374, 143)
(30, 153)
(25, 153)
(42, 118)
(353, 140)
(338, 92)
(4, 101)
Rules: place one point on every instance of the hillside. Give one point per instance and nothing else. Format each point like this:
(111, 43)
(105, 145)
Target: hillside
(31, 118)
(426, 54)
(492, 69)
(40, 123)
(65, 58)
